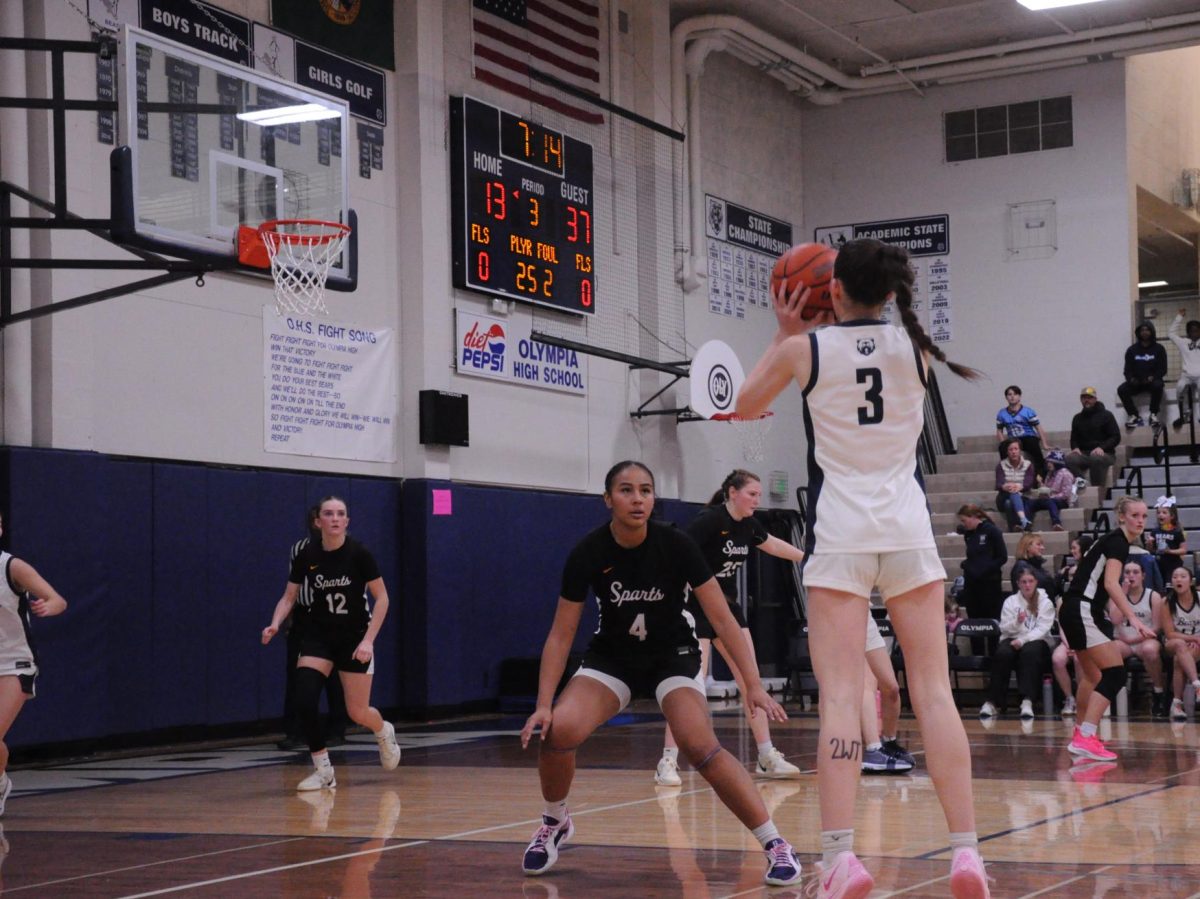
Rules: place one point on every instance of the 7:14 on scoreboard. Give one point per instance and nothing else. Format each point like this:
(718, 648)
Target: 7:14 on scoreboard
(523, 209)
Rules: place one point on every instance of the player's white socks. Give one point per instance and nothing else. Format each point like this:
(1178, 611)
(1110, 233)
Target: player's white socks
(556, 810)
(321, 760)
(834, 843)
(765, 748)
(964, 840)
(671, 752)
(765, 833)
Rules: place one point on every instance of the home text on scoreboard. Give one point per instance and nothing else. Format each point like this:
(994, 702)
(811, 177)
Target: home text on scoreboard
(522, 216)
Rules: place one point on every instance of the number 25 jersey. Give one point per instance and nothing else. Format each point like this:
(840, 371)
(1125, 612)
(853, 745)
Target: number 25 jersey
(863, 412)
(640, 592)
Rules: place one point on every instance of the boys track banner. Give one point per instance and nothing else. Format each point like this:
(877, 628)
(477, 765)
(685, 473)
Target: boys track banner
(356, 29)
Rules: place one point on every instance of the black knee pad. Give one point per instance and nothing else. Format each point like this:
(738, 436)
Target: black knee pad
(309, 684)
(1111, 682)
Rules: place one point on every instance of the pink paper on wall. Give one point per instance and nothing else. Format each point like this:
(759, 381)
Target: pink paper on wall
(442, 504)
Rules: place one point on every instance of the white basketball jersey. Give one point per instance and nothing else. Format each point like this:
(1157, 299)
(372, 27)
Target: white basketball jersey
(1142, 610)
(863, 411)
(1187, 622)
(16, 656)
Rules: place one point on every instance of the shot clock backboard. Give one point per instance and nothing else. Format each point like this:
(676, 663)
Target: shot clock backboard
(522, 202)
(213, 144)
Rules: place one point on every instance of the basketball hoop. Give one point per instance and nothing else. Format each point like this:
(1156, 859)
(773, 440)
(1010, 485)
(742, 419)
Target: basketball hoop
(301, 252)
(751, 431)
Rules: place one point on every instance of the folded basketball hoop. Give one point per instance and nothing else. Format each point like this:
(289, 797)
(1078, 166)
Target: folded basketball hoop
(301, 252)
(751, 431)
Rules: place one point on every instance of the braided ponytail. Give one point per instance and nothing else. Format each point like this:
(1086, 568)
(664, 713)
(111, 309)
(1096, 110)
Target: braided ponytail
(895, 262)
(870, 270)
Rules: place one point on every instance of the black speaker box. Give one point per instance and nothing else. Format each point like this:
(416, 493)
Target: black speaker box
(444, 418)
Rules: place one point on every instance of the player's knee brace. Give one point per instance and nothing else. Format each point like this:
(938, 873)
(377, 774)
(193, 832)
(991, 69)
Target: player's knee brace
(1111, 682)
(309, 685)
(706, 758)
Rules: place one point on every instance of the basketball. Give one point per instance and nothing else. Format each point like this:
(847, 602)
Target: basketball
(810, 264)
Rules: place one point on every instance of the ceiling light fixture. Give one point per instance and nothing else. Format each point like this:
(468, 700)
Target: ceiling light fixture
(1051, 4)
(1152, 283)
(286, 115)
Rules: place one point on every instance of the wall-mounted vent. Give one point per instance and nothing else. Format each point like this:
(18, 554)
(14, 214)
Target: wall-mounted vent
(1004, 130)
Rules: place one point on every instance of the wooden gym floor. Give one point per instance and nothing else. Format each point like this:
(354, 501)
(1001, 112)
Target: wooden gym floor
(454, 819)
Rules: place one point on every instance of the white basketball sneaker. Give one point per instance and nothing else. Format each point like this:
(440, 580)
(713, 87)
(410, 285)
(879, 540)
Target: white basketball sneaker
(667, 773)
(389, 750)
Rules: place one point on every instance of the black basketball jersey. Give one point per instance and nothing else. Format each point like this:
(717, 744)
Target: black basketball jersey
(1088, 580)
(641, 592)
(726, 543)
(335, 585)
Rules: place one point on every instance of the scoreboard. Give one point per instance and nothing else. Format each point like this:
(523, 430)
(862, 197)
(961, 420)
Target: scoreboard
(522, 209)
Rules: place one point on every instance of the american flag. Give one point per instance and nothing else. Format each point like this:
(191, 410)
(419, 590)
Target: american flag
(558, 37)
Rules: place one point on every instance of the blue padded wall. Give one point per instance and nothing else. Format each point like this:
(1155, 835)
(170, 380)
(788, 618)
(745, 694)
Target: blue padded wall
(171, 571)
(490, 575)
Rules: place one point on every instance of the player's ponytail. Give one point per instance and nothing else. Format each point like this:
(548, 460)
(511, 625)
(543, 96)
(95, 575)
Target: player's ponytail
(870, 270)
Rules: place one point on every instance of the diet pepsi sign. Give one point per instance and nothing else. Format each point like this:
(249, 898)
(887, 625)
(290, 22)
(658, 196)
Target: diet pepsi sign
(504, 350)
(482, 348)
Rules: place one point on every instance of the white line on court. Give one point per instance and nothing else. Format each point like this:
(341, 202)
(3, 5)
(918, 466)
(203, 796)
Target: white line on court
(165, 861)
(408, 845)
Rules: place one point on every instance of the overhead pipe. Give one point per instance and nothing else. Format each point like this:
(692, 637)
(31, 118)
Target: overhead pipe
(693, 39)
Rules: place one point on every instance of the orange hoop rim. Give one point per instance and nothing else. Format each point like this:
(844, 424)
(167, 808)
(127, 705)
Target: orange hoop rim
(734, 417)
(334, 231)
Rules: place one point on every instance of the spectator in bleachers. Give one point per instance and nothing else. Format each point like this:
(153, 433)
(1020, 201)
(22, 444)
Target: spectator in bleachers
(981, 594)
(1168, 541)
(1025, 624)
(1189, 357)
(1015, 477)
(1145, 604)
(1031, 556)
(1063, 655)
(1145, 368)
(1018, 422)
(1094, 439)
(1059, 482)
(1179, 621)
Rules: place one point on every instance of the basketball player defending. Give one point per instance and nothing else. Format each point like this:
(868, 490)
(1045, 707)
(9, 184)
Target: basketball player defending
(726, 531)
(640, 571)
(864, 383)
(1085, 626)
(337, 631)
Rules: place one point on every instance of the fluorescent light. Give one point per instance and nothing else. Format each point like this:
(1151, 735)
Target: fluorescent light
(1051, 4)
(1152, 283)
(286, 115)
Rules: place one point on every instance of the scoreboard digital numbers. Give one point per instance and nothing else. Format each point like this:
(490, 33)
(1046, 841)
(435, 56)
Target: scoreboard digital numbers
(522, 217)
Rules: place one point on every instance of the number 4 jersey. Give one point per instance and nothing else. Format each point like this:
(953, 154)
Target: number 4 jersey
(336, 585)
(863, 412)
(641, 592)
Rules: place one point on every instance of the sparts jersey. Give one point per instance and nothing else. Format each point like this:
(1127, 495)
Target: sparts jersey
(16, 647)
(1088, 580)
(863, 413)
(641, 592)
(726, 543)
(335, 585)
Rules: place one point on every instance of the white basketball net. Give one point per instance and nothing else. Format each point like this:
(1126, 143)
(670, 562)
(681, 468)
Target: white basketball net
(301, 254)
(753, 434)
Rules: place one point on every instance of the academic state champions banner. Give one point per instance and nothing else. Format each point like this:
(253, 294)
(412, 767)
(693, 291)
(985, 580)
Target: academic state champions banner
(356, 29)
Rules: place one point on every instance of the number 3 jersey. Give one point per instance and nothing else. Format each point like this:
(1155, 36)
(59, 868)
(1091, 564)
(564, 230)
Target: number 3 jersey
(863, 413)
(333, 593)
(641, 592)
(726, 543)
